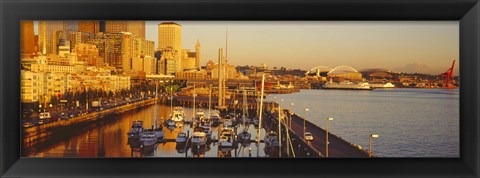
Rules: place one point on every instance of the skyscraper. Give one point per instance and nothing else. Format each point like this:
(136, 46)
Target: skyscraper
(27, 38)
(116, 49)
(46, 32)
(198, 49)
(170, 36)
(89, 26)
(137, 28)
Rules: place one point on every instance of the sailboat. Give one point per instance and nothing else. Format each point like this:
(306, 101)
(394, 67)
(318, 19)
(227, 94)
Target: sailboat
(244, 136)
(155, 130)
(175, 113)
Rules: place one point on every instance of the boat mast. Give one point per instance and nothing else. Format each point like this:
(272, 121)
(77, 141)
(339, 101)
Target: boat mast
(260, 115)
(171, 98)
(245, 108)
(155, 111)
(193, 114)
(209, 100)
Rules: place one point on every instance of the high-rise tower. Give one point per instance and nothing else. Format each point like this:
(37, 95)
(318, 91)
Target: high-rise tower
(198, 49)
(27, 37)
(137, 28)
(170, 36)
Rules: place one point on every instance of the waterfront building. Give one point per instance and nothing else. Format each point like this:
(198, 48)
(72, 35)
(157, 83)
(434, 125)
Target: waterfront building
(27, 38)
(111, 83)
(29, 86)
(192, 74)
(51, 64)
(230, 72)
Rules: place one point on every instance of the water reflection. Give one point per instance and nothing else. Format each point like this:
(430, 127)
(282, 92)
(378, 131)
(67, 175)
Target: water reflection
(109, 139)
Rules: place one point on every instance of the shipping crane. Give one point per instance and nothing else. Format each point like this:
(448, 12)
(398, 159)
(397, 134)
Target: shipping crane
(448, 79)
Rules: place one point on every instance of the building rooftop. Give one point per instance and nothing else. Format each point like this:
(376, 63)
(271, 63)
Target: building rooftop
(169, 23)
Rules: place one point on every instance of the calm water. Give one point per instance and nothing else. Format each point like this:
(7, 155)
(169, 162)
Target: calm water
(410, 122)
(110, 140)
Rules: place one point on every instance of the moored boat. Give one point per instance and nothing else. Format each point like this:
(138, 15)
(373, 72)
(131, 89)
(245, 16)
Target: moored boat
(199, 138)
(148, 139)
(136, 130)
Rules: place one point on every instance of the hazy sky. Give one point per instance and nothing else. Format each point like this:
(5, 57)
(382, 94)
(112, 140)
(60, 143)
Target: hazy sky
(304, 45)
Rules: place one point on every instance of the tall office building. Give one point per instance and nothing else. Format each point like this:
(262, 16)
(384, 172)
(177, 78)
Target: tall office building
(169, 36)
(27, 38)
(48, 34)
(89, 26)
(47, 30)
(116, 49)
(137, 28)
(198, 49)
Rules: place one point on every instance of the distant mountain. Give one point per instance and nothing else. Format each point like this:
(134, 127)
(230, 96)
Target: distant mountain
(414, 67)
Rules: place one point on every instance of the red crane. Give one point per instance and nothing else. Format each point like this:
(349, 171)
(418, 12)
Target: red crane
(448, 80)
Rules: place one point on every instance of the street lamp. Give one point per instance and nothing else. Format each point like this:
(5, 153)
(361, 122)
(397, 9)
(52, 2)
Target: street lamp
(304, 118)
(326, 133)
(370, 143)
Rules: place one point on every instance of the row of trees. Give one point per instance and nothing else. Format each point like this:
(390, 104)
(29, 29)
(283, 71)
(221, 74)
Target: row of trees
(138, 91)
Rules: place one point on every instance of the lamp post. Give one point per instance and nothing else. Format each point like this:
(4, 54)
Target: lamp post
(326, 136)
(304, 118)
(279, 130)
(370, 144)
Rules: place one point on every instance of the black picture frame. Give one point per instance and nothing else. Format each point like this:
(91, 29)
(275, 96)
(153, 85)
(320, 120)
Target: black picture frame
(467, 12)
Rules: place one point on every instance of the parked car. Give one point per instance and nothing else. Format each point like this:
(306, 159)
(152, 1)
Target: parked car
(308, 136)
(27, 124)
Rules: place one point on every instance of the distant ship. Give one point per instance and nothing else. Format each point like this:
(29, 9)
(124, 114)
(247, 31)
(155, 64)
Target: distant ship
(381, 85)
(347, 85)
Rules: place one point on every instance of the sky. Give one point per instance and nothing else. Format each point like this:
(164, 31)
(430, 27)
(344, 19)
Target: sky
(306, 44)
(395, 45)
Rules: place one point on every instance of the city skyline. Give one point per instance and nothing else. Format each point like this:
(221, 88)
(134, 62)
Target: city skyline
(427, 47)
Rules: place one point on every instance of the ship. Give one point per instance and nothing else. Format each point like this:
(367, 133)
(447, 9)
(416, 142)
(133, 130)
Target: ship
(347, 85)
(382, 85)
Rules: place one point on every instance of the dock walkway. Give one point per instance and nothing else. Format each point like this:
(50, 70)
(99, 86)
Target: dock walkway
(338, 147)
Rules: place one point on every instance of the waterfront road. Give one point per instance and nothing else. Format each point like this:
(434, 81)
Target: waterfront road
(338, 147)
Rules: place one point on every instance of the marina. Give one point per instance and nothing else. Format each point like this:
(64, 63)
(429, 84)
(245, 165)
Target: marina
(110, 135)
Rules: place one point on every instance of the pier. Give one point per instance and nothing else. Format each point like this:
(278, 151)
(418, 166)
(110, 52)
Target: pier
(338, 147)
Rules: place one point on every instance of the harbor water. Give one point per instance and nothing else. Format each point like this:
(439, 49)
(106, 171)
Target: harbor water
(109, 139)
(409, 122)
